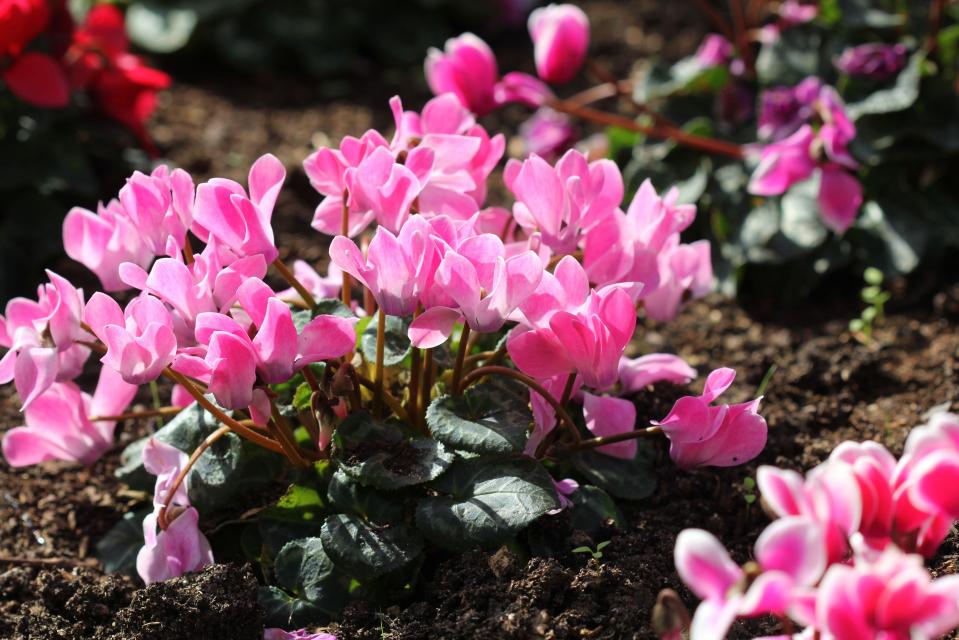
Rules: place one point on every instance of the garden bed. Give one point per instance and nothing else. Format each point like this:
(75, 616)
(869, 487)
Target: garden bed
(826, 388)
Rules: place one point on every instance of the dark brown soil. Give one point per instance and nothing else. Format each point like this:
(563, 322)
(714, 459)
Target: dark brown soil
(827, 387)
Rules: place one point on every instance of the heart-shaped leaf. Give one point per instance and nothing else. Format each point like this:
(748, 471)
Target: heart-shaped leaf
(347, 494)
(488, 418)
(385, 455)
(489, 502)
(627, 479)
(366, 551)
(396, 341)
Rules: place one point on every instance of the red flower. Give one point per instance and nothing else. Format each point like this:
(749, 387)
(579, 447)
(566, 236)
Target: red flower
(121, 84)
(34, 77)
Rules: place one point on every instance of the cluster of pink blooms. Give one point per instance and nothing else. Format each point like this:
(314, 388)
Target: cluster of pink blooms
(844, 558)
(564, 272)
(93, 57)
(807, 132)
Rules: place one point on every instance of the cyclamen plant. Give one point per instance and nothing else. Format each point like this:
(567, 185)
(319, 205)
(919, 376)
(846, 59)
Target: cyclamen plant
(844, 555)
(438, 386)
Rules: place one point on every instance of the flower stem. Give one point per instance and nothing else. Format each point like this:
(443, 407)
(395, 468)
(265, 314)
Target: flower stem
(345, 232)
(284, 435)
(133, 415)
(703, 143)
(240, 429)
(592, 443)
(296, 284)
(568, 389)
(561, 412)
(206, 444)
(460, 357)
(426, 388)
(379, 372)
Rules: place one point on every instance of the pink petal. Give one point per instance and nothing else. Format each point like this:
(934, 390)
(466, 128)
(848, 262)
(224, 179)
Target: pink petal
(607, 416)
(704, 565)
(433, 327)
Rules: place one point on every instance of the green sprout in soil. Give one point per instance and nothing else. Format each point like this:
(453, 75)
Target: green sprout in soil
(874, 296)
(597, 553)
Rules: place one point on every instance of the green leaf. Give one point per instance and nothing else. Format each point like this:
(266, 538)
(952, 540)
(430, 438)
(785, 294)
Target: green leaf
(396, 344)
(282, 610)
(791, 57)
(332, 307)
(685, 76)
(898, 97)
(131, 471)
(159, 28)
(489, 502)
(593, 509)
(304, 569)
(117, 550)
(863, 13)
(346, 494)
(626, 479)
(366, 551)
(488, 418)
(302, 396)
(384, 455)
(800, 222)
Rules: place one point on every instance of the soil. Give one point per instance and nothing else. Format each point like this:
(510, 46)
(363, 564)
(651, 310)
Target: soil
(826, 387)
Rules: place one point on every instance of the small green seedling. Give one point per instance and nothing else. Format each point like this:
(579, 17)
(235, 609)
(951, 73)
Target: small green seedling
(874, 296)
(596, 553)
(749, 491)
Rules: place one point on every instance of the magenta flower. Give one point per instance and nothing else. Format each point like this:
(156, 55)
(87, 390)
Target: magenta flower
(41, 339)
(564, 488)
(241, 222)
(485, 287)
(140, 340)
(384, 187)
(642, 248)
(58, 425)
(720, 436)
(608, 416)
(715, 51)
(564, 202)
(589, 341)
(890, 596)
(784, 109)
(782, 164)
(181, 548)
(876, 60)
(544, 416)
(104, 240)
(790, 555)
(394, 268)
(873, 467)
(467, 68)
(301, 634)
(560, 34)
(924, 508)
(637, 373)
(160, 206)
(829, 495)
(547, 134)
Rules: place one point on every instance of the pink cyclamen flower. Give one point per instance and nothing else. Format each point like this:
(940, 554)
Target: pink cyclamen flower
(224, 211)
(782, 164)
(715, 51)
(890, 596)
(566, 201)
(160, 206)
(182, 547)
(394, 268)
(829, 495)
(544, 416)
(484, 286)
(41, 337)
(721, 436)
(547, 133)
(684, 270)
(924, 509)
(876, 60)
(104, 240)
(58, 424)
(608, 416)
(467, 68)
(873, 467)
(564, 488)
(300, 634)
(589, 341)
(790, 555)
(637, 373)
(560, 34)
(140, 340)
